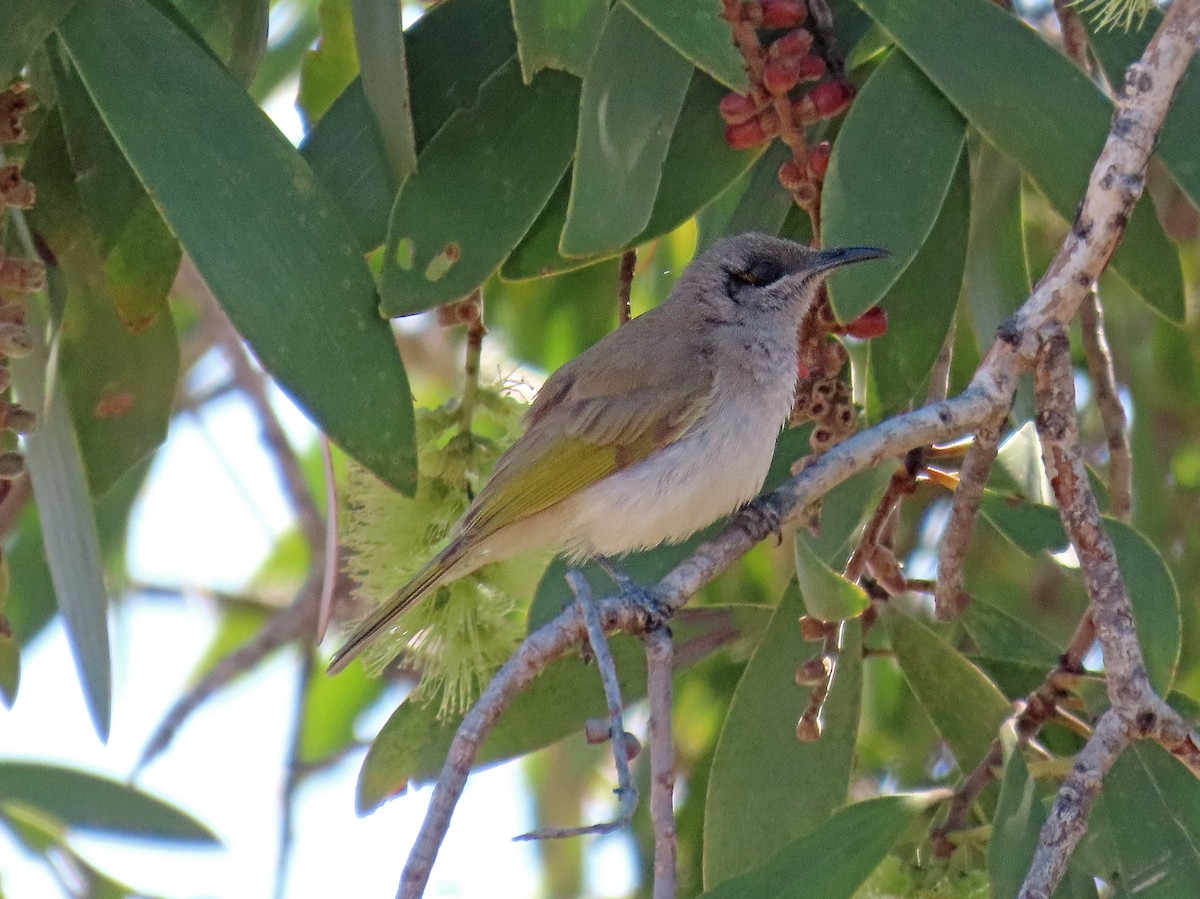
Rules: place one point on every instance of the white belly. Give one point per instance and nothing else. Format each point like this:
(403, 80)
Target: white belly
(668, 497)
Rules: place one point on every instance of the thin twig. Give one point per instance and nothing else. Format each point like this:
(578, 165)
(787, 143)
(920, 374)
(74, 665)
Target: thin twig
(950, 596)
(294, 623)
(1074, 34)
(295, 767)
(626, 789)
(253, 383)
(1136, 712)
(659, 652)
(474, 351)
(1112, 413)
(625, 285)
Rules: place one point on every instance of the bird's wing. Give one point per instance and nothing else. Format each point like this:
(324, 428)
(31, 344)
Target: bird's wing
(627, 397)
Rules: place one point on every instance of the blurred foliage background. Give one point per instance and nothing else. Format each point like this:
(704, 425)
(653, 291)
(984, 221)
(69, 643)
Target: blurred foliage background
(176, 225)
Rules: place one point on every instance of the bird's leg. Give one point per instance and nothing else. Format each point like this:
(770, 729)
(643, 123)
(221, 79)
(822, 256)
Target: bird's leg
(761, 515)
(657, 614)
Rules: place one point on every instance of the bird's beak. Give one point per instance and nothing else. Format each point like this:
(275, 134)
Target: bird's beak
(824, 260)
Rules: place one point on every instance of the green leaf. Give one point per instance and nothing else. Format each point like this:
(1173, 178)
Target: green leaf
(997, 274)
(697, 31)
(1005, 636)
(120, 385)
(235, 31)
(1148, 581)
(970, 47)
(379, 37)
(412, 745)
(756, 202)
(699, 166)
(331, 708)
(26, 25)
(1147, 826)
(81, 799)
(557, 34)
(827, 594)
(631, 100)
(864, 202)
(1015, 828)
(835, 858)
(480, 183)
(1020, 457)
(68, 526)
(10, 668)
(1176, 147)
(345, 150)
(329, 67)
(748, 816)
(960, 700)
(288, 274)
(140, 255)
(921, 304)
(845, 509)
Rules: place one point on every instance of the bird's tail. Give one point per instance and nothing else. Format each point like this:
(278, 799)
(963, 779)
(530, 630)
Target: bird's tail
(432, 574)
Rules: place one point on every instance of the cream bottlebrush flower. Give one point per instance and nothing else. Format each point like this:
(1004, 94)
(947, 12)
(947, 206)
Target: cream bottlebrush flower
(1116, 13)
(459, 636)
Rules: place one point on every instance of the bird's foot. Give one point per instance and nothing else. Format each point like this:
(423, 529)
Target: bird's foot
(761, 516)
(657, 613)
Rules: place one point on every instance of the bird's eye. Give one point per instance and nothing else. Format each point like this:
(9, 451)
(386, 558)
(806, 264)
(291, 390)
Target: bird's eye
(760, 273)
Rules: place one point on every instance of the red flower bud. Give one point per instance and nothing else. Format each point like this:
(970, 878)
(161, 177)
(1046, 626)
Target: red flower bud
(745, 135)
(818, 159)
(752, 13)
(781, 75)
(783, 13)
(872, 323)
(793, 45)
(737, 108)
(792, 175)
(812, 68)
(831, 98)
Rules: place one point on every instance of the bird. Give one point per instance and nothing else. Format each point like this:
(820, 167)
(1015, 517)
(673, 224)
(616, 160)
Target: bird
(665, 425)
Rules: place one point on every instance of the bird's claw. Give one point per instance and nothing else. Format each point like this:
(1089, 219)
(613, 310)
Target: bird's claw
(761, 515)
(656, 612)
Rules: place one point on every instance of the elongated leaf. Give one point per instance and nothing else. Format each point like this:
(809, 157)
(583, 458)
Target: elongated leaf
(827, 594)
(864, 202)
(10, 668)
(120, 385)
(480, 184)
(1147, 821)
(330, 710)
(26, 24)
(345, 150)
(1148, 581)
(287, 272)
(412, 745)
(1005, 636)
(379, 37)
(140, 255)
(699, 166)
(832, 860)
(1180, 135)
(699, 33)
(68, 527)
(557, 34)
(997, 274)
(756, 202)
(968, 715)
(921, 304)
(235, 31)
(332, 64)
(1015, 828)
(969, 47)
(631, 100)
(82, 799)
(748, 816)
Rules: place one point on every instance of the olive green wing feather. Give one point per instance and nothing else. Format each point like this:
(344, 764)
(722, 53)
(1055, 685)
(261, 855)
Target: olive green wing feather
(614, 406)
